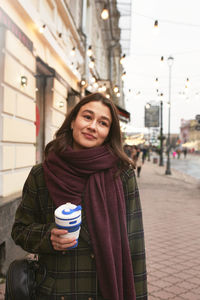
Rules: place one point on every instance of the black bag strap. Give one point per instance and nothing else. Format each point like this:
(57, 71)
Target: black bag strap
(39, 268)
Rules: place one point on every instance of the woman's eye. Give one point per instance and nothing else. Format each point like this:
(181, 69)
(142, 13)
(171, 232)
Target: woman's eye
(103, 123)
(88, 117)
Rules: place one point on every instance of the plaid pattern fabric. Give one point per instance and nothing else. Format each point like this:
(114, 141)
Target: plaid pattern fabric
(72, 274)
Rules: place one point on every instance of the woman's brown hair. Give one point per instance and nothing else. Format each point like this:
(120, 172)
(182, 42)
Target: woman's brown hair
(64, 137)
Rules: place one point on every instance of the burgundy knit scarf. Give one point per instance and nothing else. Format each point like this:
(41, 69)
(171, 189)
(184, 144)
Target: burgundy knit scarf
(91, 171)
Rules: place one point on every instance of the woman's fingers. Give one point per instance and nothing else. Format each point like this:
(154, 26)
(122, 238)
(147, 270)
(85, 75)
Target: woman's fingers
(59, 242)
(63, 245)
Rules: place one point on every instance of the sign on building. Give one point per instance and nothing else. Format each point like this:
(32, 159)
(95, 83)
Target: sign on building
(152, 113)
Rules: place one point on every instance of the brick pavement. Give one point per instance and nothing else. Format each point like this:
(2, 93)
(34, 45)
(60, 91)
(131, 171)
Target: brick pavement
(171, 214)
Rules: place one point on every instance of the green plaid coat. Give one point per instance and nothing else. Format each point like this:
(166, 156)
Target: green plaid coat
(71, 275)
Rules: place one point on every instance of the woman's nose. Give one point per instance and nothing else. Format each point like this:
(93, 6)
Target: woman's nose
(93, 124)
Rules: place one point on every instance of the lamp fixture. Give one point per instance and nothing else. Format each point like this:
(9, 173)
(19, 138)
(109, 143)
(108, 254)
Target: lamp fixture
(93, 79)
(123, 75)
(72, 53)
(83, 82)
(118, 94)
(116, 89)
(156, 24)
(24, 81)
(77, 70)
(156, 83)
(122, 58)
(72, 66)
(187, 83)
(104, 88)
(89, 51)
(95, 85)
(42, 28)
(148, 105)
(60, 104)
(91, 64)
(156, 28)
(105, 13)
(170, 60)
(100, 89)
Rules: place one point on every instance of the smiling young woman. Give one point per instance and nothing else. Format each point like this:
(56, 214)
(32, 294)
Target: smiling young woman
(85, 164)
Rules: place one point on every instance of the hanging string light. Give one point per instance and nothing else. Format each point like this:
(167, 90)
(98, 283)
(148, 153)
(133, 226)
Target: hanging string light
(156, 29)
(104, 88)
(72, 53)
(118, 94)
(156, 83)
(105, 13)
(93, 79)
(91, 64)
(83, 82)
(95, 85)
(42, 28)
(123, 76)
(89, 51)
(187, 83)
(116, 89)
(122, 58)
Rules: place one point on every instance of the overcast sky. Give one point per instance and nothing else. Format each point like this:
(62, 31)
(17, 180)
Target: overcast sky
(179, 36)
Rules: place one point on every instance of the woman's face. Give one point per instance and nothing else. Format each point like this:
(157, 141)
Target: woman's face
(91, 126)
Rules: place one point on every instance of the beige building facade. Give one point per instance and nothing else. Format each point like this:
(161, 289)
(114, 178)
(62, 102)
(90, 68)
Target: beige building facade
(44, 61)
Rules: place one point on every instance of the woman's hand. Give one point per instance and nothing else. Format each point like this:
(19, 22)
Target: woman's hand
(58, 242)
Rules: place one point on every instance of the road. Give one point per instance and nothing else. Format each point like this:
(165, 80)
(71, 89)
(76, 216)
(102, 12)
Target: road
(189, 165)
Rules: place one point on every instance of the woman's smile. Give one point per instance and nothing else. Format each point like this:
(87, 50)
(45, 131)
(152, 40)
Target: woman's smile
(89, 136)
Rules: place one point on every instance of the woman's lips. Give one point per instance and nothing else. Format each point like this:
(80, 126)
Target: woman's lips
(89, 136)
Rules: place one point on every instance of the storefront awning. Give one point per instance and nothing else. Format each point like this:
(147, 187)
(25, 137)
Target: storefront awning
(124, 115)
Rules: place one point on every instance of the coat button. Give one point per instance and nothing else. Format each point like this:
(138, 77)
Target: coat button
(63, 252)
(92, 256)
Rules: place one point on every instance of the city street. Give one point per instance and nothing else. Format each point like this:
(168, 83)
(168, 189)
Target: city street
(189, 165)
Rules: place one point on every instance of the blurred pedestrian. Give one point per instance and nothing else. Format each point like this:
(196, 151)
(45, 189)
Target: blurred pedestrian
(174, 154)
(134, 154)
(144, 154)
(178, 153)
(185, 152)
(127, 150)
(85, 164)
(139, 162)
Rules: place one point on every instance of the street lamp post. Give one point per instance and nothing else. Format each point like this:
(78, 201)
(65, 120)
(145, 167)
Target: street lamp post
(161, 134)
(170, 61)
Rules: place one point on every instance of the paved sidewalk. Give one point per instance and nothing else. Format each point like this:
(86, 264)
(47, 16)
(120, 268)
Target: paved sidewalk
(171, 215)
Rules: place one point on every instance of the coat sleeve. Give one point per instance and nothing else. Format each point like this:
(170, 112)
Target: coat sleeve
(30, 230)
(135, 233)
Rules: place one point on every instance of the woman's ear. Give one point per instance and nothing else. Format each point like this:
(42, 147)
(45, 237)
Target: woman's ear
(72, 125)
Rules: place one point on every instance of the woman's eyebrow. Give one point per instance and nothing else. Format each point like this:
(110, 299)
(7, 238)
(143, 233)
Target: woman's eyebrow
(91, 112)
(88, 110)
